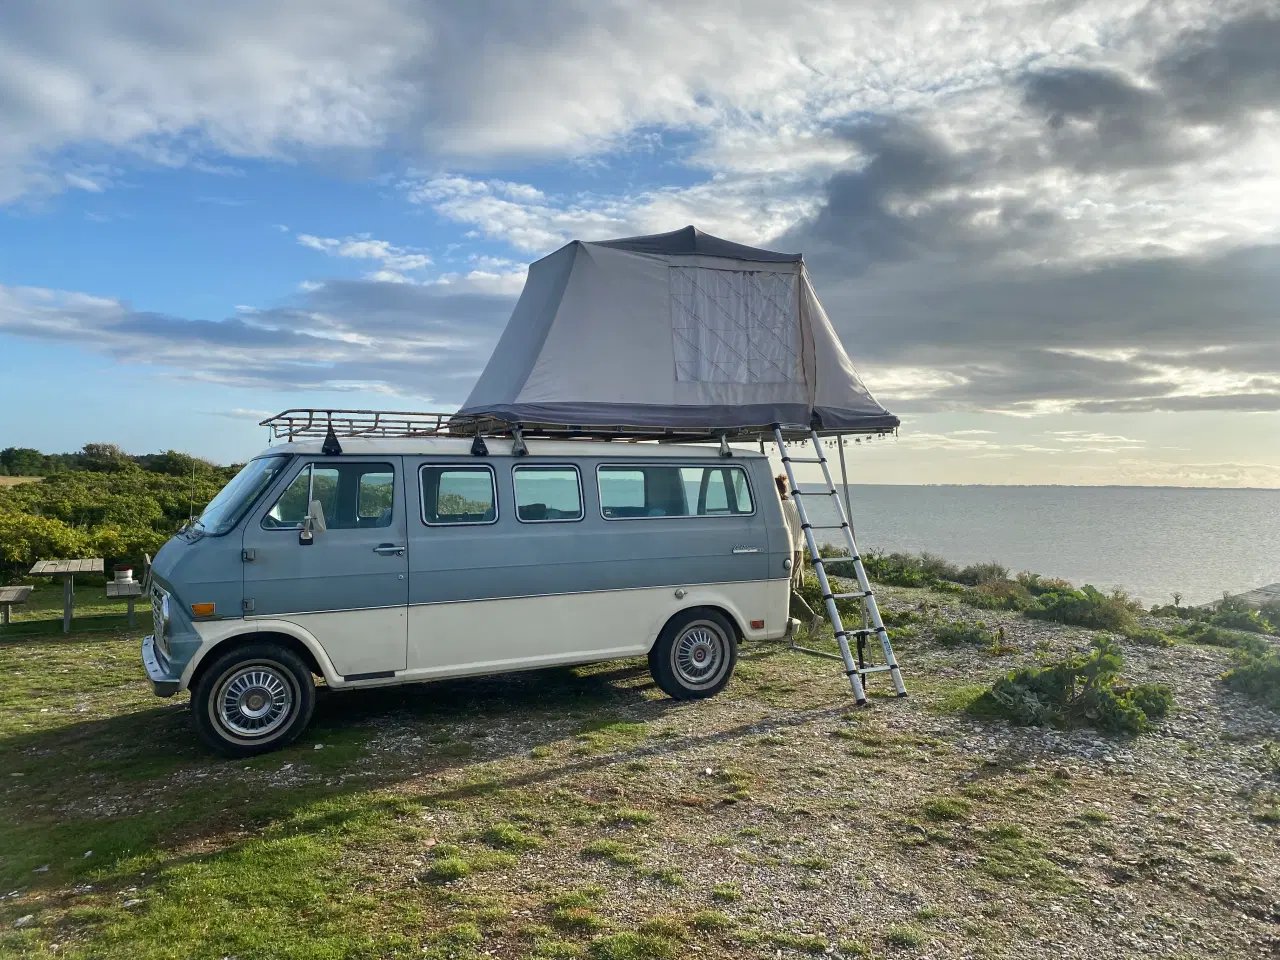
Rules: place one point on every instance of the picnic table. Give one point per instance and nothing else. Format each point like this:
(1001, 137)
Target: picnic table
(66, 571)
(10, 596)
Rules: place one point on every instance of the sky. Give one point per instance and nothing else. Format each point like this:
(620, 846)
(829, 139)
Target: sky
(1048, 233)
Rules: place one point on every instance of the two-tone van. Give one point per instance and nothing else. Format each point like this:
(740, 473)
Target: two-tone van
(402, 560)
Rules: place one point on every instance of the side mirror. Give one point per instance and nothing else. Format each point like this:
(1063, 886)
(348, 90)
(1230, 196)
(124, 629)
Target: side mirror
(312, 524)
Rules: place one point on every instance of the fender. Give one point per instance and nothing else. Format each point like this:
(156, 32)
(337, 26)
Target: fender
(213, 633)
(732, 598)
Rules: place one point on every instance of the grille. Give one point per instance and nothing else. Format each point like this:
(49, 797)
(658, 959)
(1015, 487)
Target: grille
(157, 618)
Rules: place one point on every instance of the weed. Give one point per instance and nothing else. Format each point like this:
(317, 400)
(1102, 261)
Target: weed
(507, 836)
(670, 876)
(582, 898)
(710, 921)
(726, 892)
(610, 850)
(447, 870)
(946, 808)
(672, 928)
(631, 818)
(853, 948)
(576, 920)
(805, 943)
(904, 935)
(1095, 816)
(812, 863)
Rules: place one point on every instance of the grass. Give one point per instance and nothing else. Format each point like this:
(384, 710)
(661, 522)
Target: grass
(41, 615)
(539, 815)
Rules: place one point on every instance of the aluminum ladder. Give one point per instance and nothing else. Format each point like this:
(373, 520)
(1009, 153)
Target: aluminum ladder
(872, 624)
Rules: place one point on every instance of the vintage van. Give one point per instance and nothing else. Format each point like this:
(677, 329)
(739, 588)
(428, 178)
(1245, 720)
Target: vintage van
(399, 560)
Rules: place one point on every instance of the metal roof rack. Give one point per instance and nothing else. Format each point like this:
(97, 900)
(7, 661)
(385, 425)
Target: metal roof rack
(299, 424)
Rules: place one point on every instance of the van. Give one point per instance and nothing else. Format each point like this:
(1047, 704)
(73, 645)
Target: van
(399, 560)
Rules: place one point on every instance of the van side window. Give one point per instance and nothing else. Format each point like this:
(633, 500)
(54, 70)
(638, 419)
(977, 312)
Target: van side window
(547, 494)
(452, 495)
(352, 495)
(630, 492)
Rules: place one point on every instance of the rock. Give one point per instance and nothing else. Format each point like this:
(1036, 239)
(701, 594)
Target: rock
(44, 869)
(132, 903)
(25, 921)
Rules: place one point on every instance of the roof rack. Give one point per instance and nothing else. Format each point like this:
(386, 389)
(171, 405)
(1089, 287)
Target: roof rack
(305, 423)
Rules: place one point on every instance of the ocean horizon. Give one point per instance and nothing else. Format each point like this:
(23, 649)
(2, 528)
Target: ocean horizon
(1149, 541)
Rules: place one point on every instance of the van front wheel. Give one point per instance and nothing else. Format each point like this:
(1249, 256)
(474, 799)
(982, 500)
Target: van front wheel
(695, 654)
(252, 700)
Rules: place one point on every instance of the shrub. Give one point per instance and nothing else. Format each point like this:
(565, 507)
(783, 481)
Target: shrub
(1150, 638)
(1257, 674)
(999, 595)
(1234, 614)
(1035, 584)
(1080, 691)
(979, 573)
(1087, 607)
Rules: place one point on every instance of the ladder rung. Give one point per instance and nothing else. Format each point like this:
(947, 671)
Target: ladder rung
(825, 526)
(804, 459)
(850, 596)
(867, 632)
(873, 669)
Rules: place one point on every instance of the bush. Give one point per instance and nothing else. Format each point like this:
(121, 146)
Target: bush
(1035, 584)
(1088, 607)
(999, 595)
(1150, 638)
(979, 573)
(1235, 614)
(1080, 691)
(1257, 674)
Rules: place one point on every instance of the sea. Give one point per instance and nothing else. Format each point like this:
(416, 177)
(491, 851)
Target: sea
(1149, 541)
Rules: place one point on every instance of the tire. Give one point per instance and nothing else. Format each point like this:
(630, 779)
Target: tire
(253, 700)
(695, 654)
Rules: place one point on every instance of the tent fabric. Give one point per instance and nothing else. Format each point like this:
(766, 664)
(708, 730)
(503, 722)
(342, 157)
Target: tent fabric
(679, 330)
(690, 241)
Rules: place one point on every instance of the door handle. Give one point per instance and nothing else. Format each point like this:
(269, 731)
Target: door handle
(389, 549)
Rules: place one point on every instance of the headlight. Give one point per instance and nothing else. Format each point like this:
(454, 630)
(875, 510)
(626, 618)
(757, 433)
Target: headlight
(164, 609)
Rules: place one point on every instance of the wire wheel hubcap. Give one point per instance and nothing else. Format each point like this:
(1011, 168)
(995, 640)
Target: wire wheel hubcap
(700, 654)
(254, 701)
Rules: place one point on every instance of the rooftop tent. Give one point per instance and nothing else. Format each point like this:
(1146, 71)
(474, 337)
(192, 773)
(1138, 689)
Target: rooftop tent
(677, 330)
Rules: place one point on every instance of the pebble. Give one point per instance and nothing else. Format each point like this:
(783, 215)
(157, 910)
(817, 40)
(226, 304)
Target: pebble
(25, 921)
(44, 869)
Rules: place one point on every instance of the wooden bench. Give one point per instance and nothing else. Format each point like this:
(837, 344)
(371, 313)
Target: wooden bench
(10, 597)
(125, 591)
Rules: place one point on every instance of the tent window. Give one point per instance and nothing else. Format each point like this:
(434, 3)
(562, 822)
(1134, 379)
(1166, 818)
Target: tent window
(734, 326)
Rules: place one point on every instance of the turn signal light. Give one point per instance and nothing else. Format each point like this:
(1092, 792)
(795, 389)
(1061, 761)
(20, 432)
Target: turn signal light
(755, 624)
(202, 609)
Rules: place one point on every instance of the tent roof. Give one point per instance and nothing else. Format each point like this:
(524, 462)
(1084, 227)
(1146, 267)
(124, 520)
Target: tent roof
(690, 241)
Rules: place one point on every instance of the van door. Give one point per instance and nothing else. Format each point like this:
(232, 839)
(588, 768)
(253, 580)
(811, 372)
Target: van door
(349, 587)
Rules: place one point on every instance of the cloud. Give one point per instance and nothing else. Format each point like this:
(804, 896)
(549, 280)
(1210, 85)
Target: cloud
(395, 261)
(427, 342)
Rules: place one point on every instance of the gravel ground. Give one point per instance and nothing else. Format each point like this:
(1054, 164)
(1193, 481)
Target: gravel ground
(775, 819)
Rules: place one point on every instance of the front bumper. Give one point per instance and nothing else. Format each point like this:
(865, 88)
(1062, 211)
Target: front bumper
(162, 684)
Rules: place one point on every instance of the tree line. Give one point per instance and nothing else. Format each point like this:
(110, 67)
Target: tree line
(99, 502)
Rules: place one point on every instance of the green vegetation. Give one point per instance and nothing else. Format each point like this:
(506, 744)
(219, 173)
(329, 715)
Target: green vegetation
(973, 634)
(1080, 691)
(100, 502)
(1230, 613)
(1257, 674)
(904, 935)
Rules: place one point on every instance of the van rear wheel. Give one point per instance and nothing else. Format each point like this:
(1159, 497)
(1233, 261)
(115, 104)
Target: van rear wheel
(252, 700)
(694, 655)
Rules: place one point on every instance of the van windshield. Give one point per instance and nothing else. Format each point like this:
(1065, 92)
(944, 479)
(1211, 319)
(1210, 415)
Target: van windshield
(225, 510)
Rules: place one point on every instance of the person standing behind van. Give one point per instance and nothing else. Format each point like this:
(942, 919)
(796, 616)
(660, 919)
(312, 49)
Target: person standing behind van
(792, 515)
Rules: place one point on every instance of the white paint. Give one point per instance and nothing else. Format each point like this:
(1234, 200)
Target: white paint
(497, 636)
(494, 636)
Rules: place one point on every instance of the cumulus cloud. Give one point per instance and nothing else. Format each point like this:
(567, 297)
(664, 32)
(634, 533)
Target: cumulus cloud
(395, 261)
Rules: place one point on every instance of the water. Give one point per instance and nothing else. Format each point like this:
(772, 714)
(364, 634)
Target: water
(1150, 541)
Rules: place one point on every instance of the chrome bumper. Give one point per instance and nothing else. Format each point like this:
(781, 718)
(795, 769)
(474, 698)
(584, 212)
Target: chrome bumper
(162, 685)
